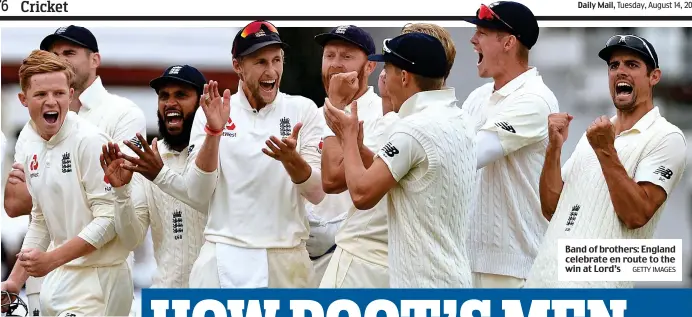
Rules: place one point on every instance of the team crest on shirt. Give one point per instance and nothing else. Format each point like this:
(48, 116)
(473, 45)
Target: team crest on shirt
(66, 163)
(33, 166)
(178, 225)
(285, 127)
(572, 217)
(230, 127)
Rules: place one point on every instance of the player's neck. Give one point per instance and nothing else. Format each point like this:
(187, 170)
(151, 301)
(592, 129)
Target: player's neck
(361, 91)
(627, 119)
(255, 104)
(511, 71)
(76, 103)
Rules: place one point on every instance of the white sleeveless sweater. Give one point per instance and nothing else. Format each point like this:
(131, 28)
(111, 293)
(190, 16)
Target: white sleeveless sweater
(585, 210)
(427, 216)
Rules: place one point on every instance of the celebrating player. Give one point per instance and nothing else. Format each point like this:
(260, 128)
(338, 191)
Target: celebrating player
(177, 226)
(86, 270)
(512, 121)
(609, 189)
(427, 166)
(118, 117)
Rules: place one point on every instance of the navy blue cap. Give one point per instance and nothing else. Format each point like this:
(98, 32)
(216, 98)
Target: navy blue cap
(75, 34)
(633, 43)
(185, 74)
(255, 36)
(351, 34)
(418, 53)
(509, 16)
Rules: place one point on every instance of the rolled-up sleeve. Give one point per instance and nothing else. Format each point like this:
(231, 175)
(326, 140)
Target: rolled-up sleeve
(38, 236)
(131, 212)
(100, 197)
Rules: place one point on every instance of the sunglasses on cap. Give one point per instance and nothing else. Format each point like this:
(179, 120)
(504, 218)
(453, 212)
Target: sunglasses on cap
(387, 50)
(487, 14)
(256, 26)
(634, 42)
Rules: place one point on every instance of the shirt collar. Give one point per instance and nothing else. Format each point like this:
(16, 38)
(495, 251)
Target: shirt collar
(91, 96)
(421, 100)
(644, 123)
(245, 103)
(62, 133)
(364, 100)
(517, 82)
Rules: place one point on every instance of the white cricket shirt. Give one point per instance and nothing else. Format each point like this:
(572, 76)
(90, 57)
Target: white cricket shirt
(430, 153)
(70, 194)
(506, 226)
(177, 228)
(364, 232)
(255, 204)
(653, 151)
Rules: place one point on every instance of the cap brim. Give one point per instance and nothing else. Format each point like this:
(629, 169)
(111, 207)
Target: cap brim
(323, 38)
(159, 82)
(377, 58)
(485, 23)
(50, 39)
(256, 47)
(607, 52)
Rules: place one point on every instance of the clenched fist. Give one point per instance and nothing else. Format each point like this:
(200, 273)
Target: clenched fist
(558, 128)
(601, 134)
(342, 89)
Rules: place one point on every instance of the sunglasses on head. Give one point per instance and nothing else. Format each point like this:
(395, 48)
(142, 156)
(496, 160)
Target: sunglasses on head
(387, 50)
(487, 14)
(256, 26)
(634, 42)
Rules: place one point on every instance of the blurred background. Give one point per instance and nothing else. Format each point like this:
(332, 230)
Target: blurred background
(566, 58)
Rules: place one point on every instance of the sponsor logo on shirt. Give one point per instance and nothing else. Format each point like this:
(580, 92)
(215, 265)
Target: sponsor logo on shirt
(390, 150)
(189, 149)
(505, 126)
(285, 127)
(33, 166)
(665, 173)
(230, 126)
(178, 225)
(108, 183)
(66, 163)
(572, 217)
(36, 312)
(319, 146)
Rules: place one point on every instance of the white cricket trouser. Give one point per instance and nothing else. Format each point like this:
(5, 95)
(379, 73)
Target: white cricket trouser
(288, 268)
(88, 291)
(33, 293)
(321, 265)
(348, 271)
(487, 280)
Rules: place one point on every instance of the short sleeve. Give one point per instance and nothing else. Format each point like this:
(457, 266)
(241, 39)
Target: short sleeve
(665, 165)
(402, 153)
(520, 122)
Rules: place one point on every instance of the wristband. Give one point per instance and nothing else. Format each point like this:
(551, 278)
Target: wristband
(211, 132)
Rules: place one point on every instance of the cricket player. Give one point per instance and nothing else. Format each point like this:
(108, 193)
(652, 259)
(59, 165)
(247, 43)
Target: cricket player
(360, 248)
(72, 239)
(118, 117)
(256, 167)
(616, 183)
(176, 226)
(427, 167)
(511, 115)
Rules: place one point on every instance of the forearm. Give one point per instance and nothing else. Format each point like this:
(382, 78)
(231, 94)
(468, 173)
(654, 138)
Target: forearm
(194, 188)
(73, 249)
(17, 200)
(550, 183)
(311, 188)
(130, 224)
(333, 178)
(629, 199)
(18, 275)
(208, 157)
(366, 156)
(354, 168)
(37, 237)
